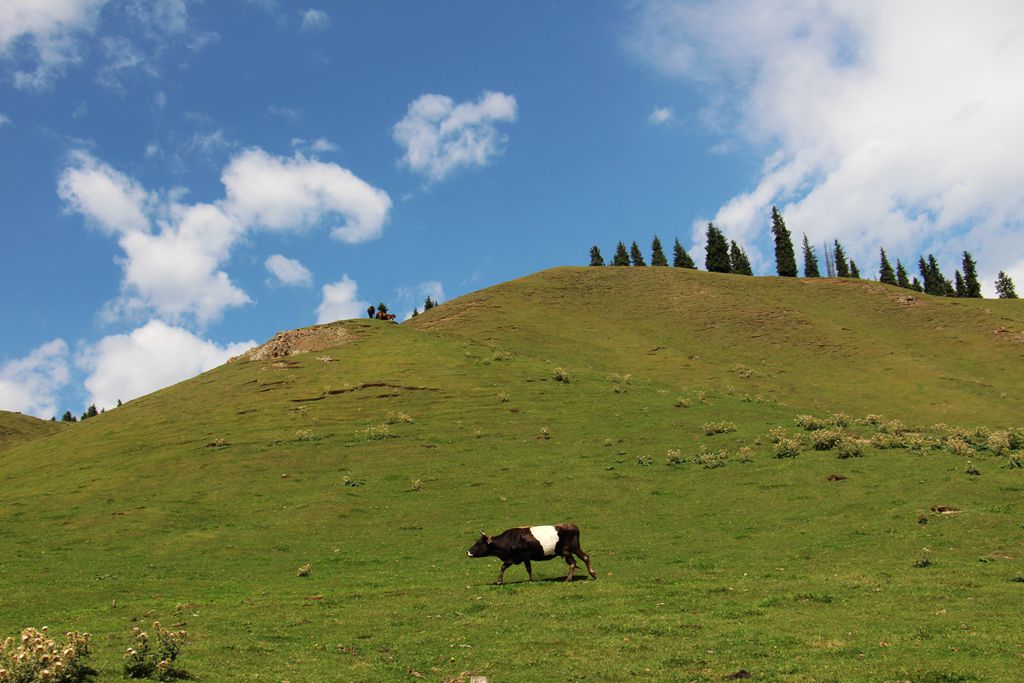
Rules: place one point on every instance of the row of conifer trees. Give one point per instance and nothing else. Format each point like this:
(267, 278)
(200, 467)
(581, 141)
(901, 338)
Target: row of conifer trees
(726, 256)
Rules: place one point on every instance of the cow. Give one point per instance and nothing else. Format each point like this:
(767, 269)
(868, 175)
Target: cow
(524, 544)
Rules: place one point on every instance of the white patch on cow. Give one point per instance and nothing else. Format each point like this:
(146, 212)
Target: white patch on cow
(547, 536)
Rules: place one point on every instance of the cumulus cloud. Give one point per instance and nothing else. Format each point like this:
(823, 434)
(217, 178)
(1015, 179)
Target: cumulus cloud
(882, 124)
(661, 116)
(45, 36)
(30, 384)
(340, 302)
(315, 20)
(439, 136)
(174, 252)
(156, 355)
(289, 272)
(287, 194)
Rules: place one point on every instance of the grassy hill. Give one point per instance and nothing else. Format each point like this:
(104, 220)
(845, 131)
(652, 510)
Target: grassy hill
(16, 428)
(375, 462)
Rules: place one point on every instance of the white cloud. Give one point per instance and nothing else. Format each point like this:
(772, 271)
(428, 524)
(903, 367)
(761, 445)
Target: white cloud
(289, 272)
(121, 58)
(315, 20)
(46, 35)
(174, 252)
(30, 384)
(5, 120)
(873, 134)
(156, 355)
(288, 194)
(317, 146)
(439, 136)
(340, 302)
(661, 116)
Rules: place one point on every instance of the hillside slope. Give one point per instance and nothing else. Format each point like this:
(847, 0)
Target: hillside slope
(376, 461)
(16, 428)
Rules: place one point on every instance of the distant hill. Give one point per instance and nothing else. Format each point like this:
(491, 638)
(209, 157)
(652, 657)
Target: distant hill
(16, 428)
(650, 406)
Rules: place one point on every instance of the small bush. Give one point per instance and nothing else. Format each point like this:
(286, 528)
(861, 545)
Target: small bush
(958, 446)
(894, 427)
(743, 371)
(144, 660)
(999, 442)
(849, 448)
(702, 397)
(416, 485)
(710, 460)
(304, 570)
(809, 422)
(545, 433)
(399, 416)
(711, 428)
(306, 435)
(643, 460)
(561, 375)
(871, 419)
(377, 432)
(37, 657)
(745, 454)
(887, 441)
(1015, 462)
(503, 355)
(674, 457)
(971, 469)
(787, 448)
(349, 481)
(826, 439)
(777, 434)
(838, 420)
(923, 562)
(503, 396)
(478, 433)
(682, 402)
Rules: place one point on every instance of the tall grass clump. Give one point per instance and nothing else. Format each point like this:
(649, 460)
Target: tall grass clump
(810, 423)
(786, 447)
(826, 439)
(849, 448)
(711, 428)
(37, 657)
(146, 659)
(377, 432)
(560, 375)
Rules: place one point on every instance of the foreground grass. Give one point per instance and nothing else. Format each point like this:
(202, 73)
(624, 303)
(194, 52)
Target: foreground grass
(195, 507)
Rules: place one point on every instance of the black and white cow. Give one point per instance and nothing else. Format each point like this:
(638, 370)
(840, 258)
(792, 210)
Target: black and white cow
(533, 543)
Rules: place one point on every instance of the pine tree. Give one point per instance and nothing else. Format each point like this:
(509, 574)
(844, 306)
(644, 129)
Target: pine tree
(901, 276)
(810, 260)
(595, 256)
(657, 255)
(621, 256)
(1004, 287)
(119, 404)
(934, 281)
(885, 274)
(415, 311)
(717, 251)
(854, 270)
(972, 288)
(90, 412)
(68, 417)
(680, 259)
(635, 257)
(916, 285)
(959, 289)
(842, 267)
(738, 261)
(785, 259)
(428, 304)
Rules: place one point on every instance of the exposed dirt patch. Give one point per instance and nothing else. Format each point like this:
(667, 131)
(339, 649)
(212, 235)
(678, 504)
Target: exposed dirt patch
(945, 509)
(316, 338)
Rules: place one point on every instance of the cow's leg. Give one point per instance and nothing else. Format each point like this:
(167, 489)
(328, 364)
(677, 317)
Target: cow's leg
(586, 558)
(501, 574)
(529, 568)
(569, 560)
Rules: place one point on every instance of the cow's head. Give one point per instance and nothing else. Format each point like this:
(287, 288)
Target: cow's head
(481, 547)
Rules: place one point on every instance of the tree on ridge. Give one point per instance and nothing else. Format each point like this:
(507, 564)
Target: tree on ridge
(635, 257)
(717, 251)
(810, 260)
(595, 256)
(785, 259)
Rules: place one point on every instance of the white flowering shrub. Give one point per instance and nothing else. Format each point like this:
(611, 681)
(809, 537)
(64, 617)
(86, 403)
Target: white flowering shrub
(37, 657)
(148, 659)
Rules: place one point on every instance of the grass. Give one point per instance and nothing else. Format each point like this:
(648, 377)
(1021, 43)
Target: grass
(754, 563)
(16, 428)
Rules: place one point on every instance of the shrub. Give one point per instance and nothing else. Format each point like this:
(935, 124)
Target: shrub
(887, 441)
(674, 457)
(643, 460)
(718, 428)
(777, 434)
(682, 402)
(377, 432)
(971, 469)
(561, 375)
(838, 420)
(1015, 461)
(349, 481)
(545, 433)
(37, 657)
(871, 419)
(306, 435)
(849, 448)
(787, 448)
(742, 370)
(503, 355)
(894, 427)
(745, 454)
(826, 439)
(1016, 437)
(710, 460)
(143, 660)
(503, 396)
(416, 485)
(809, 422)
(958, 446)
(399, 416)
(304, 570)
(999, 442)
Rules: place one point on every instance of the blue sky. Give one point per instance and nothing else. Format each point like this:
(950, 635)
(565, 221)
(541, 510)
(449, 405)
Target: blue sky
(181, 179)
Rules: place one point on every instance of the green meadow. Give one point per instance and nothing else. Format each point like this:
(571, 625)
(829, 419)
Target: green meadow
(575, 394)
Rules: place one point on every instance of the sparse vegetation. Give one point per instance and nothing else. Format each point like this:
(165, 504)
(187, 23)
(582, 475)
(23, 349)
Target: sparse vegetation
(710, 428)
(561, 375)
(158, 660)
(35, 656)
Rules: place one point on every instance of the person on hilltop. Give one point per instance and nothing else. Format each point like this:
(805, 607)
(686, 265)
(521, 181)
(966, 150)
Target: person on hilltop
(371, 312)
